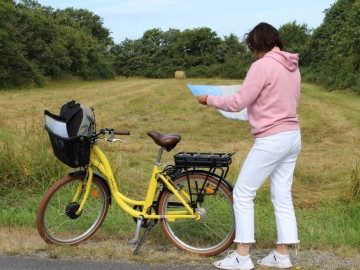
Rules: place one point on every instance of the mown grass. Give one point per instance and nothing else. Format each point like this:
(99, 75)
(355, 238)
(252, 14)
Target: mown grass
(326, 186)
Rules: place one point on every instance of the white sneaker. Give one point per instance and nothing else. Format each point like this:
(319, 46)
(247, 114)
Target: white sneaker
(275, 259)
(235, 261)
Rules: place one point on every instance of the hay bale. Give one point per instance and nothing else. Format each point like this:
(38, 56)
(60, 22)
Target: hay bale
(179, 74)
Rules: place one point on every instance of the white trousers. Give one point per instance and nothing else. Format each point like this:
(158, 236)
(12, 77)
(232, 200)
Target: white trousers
(273, 156)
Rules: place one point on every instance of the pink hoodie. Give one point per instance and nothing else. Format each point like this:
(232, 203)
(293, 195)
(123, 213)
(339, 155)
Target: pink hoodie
(270, 91)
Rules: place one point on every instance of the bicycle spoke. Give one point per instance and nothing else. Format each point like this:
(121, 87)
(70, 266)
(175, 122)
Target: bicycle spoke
(214, 231)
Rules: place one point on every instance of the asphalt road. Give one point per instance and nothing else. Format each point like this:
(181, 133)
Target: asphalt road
(26, 263)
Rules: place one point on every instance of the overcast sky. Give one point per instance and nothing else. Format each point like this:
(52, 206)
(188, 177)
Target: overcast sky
(131, 18)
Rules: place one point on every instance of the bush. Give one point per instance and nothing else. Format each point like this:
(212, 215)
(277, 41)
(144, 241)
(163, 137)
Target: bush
(29, 165)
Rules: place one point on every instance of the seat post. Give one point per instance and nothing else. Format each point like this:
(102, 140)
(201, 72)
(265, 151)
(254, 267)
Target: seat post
(158, 159)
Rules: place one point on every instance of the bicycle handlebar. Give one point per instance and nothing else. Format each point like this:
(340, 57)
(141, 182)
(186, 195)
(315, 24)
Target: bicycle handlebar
(121, 132)
(110, 131)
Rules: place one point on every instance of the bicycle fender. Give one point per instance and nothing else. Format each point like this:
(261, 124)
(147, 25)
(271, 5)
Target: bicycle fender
(82, 172)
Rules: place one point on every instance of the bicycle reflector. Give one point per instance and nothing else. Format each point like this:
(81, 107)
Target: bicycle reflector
(209, 190)
(95, 193)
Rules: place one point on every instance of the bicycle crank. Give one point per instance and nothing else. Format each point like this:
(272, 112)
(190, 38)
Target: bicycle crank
(145, 222)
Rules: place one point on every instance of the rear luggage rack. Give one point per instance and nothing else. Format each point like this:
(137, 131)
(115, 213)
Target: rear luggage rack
(205, 160)
(209, 164)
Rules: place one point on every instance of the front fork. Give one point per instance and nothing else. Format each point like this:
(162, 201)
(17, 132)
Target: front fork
(87, 184)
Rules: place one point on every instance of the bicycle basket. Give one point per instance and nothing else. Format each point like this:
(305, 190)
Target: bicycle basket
(74, 151)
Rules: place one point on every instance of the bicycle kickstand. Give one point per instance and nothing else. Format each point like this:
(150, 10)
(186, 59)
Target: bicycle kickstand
(137, 231)
(148, 228)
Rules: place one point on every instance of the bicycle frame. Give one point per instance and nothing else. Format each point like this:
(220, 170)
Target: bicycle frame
(99, 160)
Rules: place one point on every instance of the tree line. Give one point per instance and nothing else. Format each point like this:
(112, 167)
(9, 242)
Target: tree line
(38, 43)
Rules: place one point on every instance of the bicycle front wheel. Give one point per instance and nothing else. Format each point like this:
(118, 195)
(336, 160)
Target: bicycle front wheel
(57, 221)
(213, 202)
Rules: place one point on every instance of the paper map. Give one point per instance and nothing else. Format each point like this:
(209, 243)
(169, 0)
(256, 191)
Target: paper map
(219, 90)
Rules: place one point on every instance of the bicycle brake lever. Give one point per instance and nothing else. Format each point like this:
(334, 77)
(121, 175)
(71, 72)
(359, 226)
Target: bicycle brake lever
(114, 140)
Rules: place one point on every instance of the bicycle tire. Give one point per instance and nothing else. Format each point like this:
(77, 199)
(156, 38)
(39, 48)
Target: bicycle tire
(215, 232)
(56, 220)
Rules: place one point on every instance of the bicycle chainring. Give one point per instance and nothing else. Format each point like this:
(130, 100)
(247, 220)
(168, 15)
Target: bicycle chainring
(145, 222)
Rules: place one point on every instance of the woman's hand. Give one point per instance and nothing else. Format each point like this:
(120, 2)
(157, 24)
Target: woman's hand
(202, 99)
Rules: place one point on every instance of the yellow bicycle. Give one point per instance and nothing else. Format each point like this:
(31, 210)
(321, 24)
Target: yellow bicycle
(191, 199)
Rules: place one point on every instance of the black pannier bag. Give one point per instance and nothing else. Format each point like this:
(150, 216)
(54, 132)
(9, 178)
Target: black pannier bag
(80, 119)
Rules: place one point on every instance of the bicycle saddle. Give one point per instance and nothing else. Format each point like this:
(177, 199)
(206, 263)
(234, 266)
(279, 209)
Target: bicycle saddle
(169, 141)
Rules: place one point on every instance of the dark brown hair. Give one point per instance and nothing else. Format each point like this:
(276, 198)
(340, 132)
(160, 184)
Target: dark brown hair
(263, 38)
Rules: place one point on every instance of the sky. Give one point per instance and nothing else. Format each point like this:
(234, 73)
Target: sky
(131, 18)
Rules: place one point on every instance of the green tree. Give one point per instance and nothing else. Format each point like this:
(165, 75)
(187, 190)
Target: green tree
(173, 51)
(85, 20)
(37, 42)
(295, 38)
(235, 58)
(200, 46)
(86, 42)
(15, 68)
(42, 39)
(152, 43)
(334, 51)
(128, 60)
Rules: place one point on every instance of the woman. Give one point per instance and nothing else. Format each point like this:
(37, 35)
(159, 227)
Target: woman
(270, 92)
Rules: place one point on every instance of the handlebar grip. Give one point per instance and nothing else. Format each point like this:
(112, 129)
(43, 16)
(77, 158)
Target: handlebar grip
(121, 132)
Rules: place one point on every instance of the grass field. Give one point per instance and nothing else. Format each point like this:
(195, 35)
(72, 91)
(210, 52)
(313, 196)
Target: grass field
(327, 176)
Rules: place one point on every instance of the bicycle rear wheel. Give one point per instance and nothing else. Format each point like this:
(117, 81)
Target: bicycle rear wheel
(215, 231)
(57, 221)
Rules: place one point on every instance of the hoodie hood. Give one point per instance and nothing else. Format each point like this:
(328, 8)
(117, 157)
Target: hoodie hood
(288, 60)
